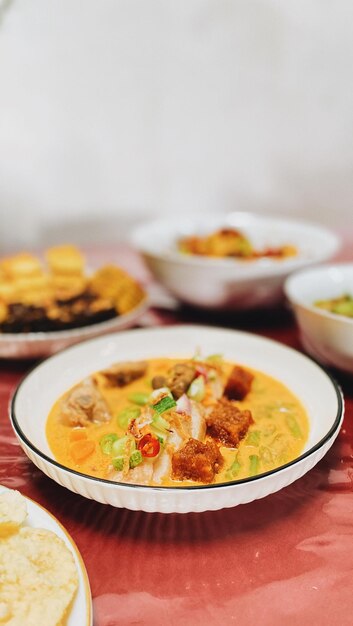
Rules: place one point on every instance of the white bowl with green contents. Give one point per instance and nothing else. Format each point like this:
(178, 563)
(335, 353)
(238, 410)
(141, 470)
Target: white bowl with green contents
(321, 299)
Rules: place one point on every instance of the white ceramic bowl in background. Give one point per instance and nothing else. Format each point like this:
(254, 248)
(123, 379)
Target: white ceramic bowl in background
(326, 336)
(232, 284)
(41, 388)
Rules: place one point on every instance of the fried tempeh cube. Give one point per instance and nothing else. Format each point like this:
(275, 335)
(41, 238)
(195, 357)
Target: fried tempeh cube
(197, 461)
(227, 423)
(238, 384)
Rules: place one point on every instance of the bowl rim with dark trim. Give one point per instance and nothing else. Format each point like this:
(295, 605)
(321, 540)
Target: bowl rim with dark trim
(132, 335)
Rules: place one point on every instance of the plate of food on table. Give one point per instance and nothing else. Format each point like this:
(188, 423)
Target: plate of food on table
(51, 301)
(177, 419)
(236, 261)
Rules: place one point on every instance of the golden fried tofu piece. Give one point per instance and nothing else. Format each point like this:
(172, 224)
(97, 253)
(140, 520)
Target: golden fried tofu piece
(32, 289)
(115, 284)
(108, 281)
(21, 265)
(129, 299)
(66, 259)
(8, 291)
(65, 287)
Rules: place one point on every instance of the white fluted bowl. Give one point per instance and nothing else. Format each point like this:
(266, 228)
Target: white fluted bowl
(224, 283)
(37, 393)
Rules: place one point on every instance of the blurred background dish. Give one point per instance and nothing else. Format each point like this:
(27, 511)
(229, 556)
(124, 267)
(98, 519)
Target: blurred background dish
(46, 305)
(37, 393)
(325, 334)
(217, 281)
(40, 344)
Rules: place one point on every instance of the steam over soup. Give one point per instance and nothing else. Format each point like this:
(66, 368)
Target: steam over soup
(175, 422)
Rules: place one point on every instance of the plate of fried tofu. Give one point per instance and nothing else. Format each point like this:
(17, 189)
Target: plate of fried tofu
(51, 301)
(43, 577)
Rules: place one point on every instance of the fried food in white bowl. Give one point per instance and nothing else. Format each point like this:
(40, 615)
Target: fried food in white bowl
(236, 261)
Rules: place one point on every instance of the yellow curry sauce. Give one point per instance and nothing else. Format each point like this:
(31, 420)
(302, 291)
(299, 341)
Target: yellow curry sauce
(277, 436)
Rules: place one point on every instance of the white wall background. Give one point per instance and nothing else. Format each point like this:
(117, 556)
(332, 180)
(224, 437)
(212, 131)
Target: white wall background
(112, 110)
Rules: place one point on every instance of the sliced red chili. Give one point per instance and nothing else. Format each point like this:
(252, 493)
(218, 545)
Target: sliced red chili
(149, 446)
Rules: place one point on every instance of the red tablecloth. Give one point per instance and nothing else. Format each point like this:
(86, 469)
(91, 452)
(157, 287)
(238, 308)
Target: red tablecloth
(286, 559)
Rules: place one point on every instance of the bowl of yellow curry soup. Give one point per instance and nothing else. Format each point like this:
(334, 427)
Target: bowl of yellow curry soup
(52, 301)
(177, 419)
(322, 301)
(235, 261)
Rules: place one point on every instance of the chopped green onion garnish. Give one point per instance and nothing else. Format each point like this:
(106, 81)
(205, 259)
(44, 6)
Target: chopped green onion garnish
(135, 458)
(254, 464)
(159, 422)
(123, 446)
(253, 438)
(197, 389)
(107, 441)
(293, 426)
(126, 415)
(164, 404)
(266, 455)
(234, 469)
(118, 463)
(160, 434)
(139, 397)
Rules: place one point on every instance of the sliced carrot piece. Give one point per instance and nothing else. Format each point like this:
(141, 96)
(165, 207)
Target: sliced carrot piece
(77, 434)
(81, 449)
